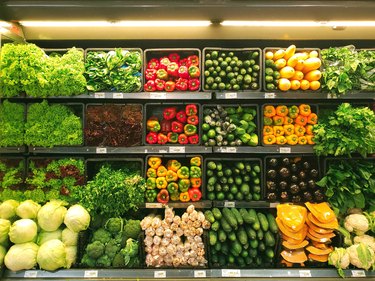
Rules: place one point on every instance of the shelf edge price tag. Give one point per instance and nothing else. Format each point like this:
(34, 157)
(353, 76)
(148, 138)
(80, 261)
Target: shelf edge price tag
(158, 95)
(177, 149)
(230, 204)
(304, 273)
(99, 95)
(160, 274)
(358, 273)
(331, 96)
(90, 274)
(154, 205)
(199, 274)
(163, 151)
(269, 95)
(230, 273)
(101, 150)
(285, 150)
(274, 205)
(118, 95)
(30, 274)
(230, 95)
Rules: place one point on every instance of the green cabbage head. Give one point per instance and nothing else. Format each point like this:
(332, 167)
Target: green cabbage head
(4, 230)
(21, 256)
(77, 218)
(52, 255)
(8, 209)
(51, 215)
(28, 209)
(69, 237)
(45, 236)
(23, 231)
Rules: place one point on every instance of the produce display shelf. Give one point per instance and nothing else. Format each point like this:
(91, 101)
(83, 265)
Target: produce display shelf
(202, 204)
(197, 273)
(13, 149)
(244, 204)
(306, 149)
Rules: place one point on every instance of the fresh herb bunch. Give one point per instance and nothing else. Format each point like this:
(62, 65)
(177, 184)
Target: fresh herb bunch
(346, 69)
(50, 125)
(350, 184)
(11, 174)
(117, 70)
(345, 131)
(26, 68)
(12, 124)
(112, 192)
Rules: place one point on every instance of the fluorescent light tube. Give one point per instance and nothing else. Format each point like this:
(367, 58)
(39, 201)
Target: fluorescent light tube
(115, 23)
(299, 23)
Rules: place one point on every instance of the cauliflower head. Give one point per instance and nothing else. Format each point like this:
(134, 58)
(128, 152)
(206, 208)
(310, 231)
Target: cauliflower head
(357, 223)
(365, 239)
(340, 259)
(361, 256)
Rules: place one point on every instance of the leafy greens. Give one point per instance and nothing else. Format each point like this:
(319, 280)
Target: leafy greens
(12, 124)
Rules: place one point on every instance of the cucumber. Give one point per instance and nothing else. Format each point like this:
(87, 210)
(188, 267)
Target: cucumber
(272, 223)
(238, 216)
(236, 248)
(215, 226)
(225, 248)
(222, 260)
(269, 253)
(240, 261)
(261, 246)
(248, 260)
(260, 234)
(212, 237)
(214, 258)
(258, 260)
(254, 244)
(256, 224)
(263, 221)
(222, 236)
(217, 214)
(218, 246)
(244, 253)
(253, 252)
(229, 216)
(209, 216)
(231, 259)
(251, 233)
(242, 236)
(225, 225)
(232, 236)
(269, 240)
(246, 217)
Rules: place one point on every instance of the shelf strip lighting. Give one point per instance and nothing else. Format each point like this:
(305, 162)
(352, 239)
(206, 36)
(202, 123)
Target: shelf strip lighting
(115, 23)
(299, 23)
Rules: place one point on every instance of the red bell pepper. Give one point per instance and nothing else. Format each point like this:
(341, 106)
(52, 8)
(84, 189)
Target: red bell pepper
(183, 139)
(172, 69)
(153, 63)
(150, 86)
(183, 72)
(150, 74)
(195, 194)
(162, 139)
(193, 120)
(152, 138)
(194, 139)
(181, 116)
(166, 126)
(194, 84)
(194, 71)
(169, 113)
(164, 62)
(162, 74)
(170, 86)
(191, 109)
(183, 62)
(174, 57)
(172, 137)
(160, 84)
(181, 84)
(163, 196)
(193, 60)
(177, 127)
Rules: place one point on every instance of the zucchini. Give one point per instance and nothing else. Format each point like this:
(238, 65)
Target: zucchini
(229, 216)
(263, 221)
(217, 214)
(231, 259)
(237, 215)
(241, 261)
(222, 236)
(209, 216)
(225, 225)
(215, 226)
(214, 258)
(272, 223)
(212, 237)
(222, 261)
(248, 260)
(242, 236)
(260, 234)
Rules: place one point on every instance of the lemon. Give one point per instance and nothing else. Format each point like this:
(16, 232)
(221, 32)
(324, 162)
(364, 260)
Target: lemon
(269, 55)
(295, 84)
(287, 72)
(284, 84)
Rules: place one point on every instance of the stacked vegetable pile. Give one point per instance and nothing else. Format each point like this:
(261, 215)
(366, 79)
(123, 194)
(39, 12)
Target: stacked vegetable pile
(175, 241)
(12, 124)
(233, 126)
(233, 180)
(302, 230)
(346, 69)
(177, 124)
(41, 235)
(287, 69)
(25, 68)
(288, 125)
(173, 73)
(113, 125)
(116, 70)
(359, 231)
(293, 179)
(240, 237)
(232, 70)
(51, 125)
(11, 177)
(114, 244)
(347, 130)
(174, 180)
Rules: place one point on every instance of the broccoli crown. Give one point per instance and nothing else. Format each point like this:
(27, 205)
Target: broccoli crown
(88, 261)
(104, 261)
(132, 229)
(102, 236)
(95, 249)
(118, 260)
(114, 225)
(112, 248)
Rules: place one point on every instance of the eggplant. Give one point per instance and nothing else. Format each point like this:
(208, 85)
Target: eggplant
(285, 162)
(307, 196)
(302, 185)
(284, 172)
(271, 186)
(311, 184)
(319, 196)
(283, 185)
(294, 168)
(273, 162)
(271, 174)
(302, 175)
(294, 179)
(271, 197)
(296, 199)
(294, 189)
(306, 165)
(314, 173)
(284, 196)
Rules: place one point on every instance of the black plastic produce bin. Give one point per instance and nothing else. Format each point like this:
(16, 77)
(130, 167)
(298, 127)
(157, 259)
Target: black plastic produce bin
(240, 53)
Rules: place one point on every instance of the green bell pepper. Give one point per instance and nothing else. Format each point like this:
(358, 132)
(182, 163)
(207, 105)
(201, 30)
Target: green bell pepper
(151, 183)
(151, 195)
(183, 172)
(195, 172)
(183, 185)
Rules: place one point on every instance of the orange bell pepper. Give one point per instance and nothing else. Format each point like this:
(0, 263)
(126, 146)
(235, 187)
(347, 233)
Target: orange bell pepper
(282, 110)
(309, 129)
(292, 139)
(312, 119)
(267, 130)
(299, 130)
(304, 110)
(161, 171)
(154, 162)
(289, 129)
(171, 176)
(310, 139)
(195, 182)
(281, 140)
(278, 120)
(288, 120)
(184, 197)
(173, 165)
(301, 120)
(302, 140)
(278, 131)
(269, 111)
(269, 139)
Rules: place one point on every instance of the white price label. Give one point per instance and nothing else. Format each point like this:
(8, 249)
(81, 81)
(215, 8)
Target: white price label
(199, 273)
(154, 205)
(99, 95)
(230, 95)
(304, 273)
(90, 274)
(229, 204)
(163, 151)
(160, 274)
(358, 273)
(177, 149)
(230, 273)
(118, 95)
(274, 205)
(331, 96)
(101, 150)
(285, 150)
(158, 95)
(269, 95)
(229, 149)
(30, 274)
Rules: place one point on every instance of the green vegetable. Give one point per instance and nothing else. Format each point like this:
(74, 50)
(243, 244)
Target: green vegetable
(272, 223)
(12, 123)
(237, 215)
(251, 233)
(269, 239)
(212, 237)
(263, 221)
(215, 226)
(77, 218)
(225, 225)
(131, 253)
(112, 248)
(51, 215)
(222, 235)
(52, 255)
(230, 218)
(101, 235)
(242, 236)
(236, 248)
(209, 216)
(114, 225)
